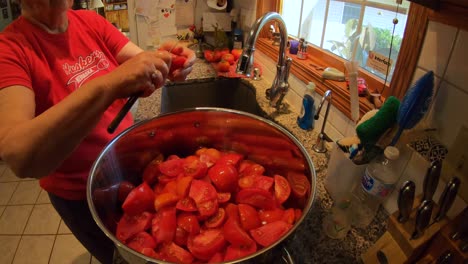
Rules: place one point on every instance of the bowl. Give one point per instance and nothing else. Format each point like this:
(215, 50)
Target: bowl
(182, 133)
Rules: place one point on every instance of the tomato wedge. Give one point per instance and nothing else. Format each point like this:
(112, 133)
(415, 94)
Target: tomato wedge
(176, 254)
(217, 258)
(299, 184)
(151, 172)
(207, 208)
(248, 217)
(180, 237)
(193, 167)
(248, 167)
(217, 219)
(189, 223)
(206, 244)
(201, 191)
(140, 241)
(186, 204)
(164, 225)
(232, 211)
(224, 197)
(139, 200)
(256, 197)
(165, 200)
(270, 233)
(282, 189)
(183, 186)
(230, 158)
(172, 167)
(235, 252)
(269, 216)
(289, 216)
(224, 177)
(130, 225)
(234, 233)
(150, 253)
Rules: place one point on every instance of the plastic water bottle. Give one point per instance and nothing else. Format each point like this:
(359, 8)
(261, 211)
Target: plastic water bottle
(377, 183)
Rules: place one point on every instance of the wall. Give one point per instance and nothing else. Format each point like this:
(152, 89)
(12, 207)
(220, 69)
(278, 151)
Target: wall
(444, 54)
(5, 21)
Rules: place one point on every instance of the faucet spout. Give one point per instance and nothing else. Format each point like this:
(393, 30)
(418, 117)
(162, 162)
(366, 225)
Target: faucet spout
(322, 137)
(280, 84)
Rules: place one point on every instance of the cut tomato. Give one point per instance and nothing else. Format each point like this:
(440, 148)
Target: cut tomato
(299, 184)
(140, 241)
(235, 252)
(224, 197)
(234, 233)
(165, 200)
(125, 188)
(183, 186)
(209, 156)
(230, 158)
(256, 197)
(194, 168)
(270, 233)
(149, 252)
(130, 225)
(248, 167)
(189, 223)
(270, 216)
(151, 172)
(289, 216)
(176, 254)
(297, 214)
(186, 204)
(207, 208)
(232, 211)
(224, 177)
(139, 200)
(217, 258)
(171, 187)
(217, 219)
(263, 182)
(201, 191)
(282, 189)
(164, 225)
(206, 244)
(172, 167)
(248, 217)
(180, 237)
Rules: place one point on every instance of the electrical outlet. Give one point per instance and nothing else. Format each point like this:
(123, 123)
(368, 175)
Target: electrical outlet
(457, 161)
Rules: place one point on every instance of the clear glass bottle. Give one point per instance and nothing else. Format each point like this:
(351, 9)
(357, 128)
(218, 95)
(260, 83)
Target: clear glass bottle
(378, 181)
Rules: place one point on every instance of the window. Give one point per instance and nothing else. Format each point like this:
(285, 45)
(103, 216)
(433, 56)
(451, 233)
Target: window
(351, 29)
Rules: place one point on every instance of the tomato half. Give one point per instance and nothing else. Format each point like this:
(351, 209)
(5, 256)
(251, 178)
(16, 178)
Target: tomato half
(206, 244)
(224, 197)
(180, 237)
(139, 200)
(269, 216)
(193, 167)
(176, 254)
(172, 167)
(201, 191)
(183, 186)
(299, 184)
(186, 204)
(130, 225)
(207, 208)
(234, 233)
(236, 252)
(256, 197)
(248, 167)
(248, 217)
(165, 200)
(150, 253)
(230, 158)
(270, 233)
(140, 241)
(189, 223)
(164, 225)
(217, 219)
(289, 216)
(218, 257)
(232, 211)
(224, 177)
(282, 189)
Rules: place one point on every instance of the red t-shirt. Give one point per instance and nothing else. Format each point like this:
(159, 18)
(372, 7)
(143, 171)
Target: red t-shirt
(54, 66)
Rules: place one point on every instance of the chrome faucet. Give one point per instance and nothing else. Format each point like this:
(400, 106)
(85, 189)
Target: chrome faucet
(322, 137)
(280, 84)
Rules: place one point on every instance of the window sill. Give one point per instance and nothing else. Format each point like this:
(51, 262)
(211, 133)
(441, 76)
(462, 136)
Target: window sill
(306, 71)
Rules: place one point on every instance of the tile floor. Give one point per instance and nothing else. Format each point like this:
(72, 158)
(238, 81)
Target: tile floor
(31, 231)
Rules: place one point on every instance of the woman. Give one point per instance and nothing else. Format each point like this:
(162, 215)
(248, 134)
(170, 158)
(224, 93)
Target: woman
(65, 75)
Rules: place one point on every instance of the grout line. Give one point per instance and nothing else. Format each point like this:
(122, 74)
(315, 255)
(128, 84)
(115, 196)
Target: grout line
(29, 217)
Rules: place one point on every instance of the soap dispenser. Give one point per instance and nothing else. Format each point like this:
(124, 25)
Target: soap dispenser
(306, 119)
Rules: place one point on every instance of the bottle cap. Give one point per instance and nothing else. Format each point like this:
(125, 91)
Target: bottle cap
(391, 153)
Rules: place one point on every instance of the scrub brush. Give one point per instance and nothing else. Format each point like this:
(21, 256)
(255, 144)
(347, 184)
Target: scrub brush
(371, 130)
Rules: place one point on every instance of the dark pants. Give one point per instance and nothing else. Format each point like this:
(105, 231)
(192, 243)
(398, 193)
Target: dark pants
(78, 218)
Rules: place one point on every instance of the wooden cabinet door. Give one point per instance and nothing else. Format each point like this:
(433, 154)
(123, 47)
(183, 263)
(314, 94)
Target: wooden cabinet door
(123, 14)
(113, 17)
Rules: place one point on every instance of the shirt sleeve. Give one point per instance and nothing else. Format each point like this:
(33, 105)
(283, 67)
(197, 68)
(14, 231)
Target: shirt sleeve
(13, 62)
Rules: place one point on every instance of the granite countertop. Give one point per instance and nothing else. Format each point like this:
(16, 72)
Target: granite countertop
(309, 244)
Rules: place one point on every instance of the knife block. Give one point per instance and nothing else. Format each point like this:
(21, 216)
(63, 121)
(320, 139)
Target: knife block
(397, 244)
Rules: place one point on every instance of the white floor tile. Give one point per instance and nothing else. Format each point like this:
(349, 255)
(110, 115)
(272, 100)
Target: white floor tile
(94, 261)
(67, 249)
(2, 208)
(26, 193)
(8, 248)
(3, 167)
(34, 250)
(8, 176)
(6, 191)
(43, 198)
(63, 229)
(14, 219)
(44, 220)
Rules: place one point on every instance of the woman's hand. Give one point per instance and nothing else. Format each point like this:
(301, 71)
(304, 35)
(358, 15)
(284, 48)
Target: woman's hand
(174, 47)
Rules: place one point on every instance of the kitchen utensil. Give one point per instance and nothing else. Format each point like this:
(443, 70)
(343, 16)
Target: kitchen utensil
(462, 228)
(181, 133)
(423, 217)
(406, 200)
(447, 198)
(431, 180)
(415, 104)
(127, 106)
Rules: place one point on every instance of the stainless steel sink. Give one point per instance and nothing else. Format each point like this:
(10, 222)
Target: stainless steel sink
(231, 93)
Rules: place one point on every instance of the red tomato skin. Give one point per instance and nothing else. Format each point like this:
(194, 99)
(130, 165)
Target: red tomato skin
(193, 167)
(224, 197)
(206, 244)
(223, 66)
(176, 254)
(230, 158)
(269, 216)
(216, 220)
(125, 188)
(232, 211)
(289, 216)
(270, 233)
(166, 199)
(208, 208)
(140, 241)
(256, 197)
(217, 258)
(224, 177)
(171, 167)
(164, 225)
(235, 252)
(249, 218)
(151, 172)
(149, 252)
(299, 183)
(181, 236)
(131, 225)
(201, 191)
(186, 204)
(282, 189)
(139, 200)
(234, 233)
(189, 223)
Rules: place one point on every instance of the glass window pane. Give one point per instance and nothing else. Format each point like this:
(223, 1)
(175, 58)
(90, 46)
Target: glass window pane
(313, 19)
(290, 13)
(376, 36)
(341, 30)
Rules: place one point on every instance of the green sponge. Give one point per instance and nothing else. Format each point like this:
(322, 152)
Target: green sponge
(371, 130)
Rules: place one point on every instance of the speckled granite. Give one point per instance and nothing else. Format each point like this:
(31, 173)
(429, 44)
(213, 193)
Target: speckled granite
(309, 244)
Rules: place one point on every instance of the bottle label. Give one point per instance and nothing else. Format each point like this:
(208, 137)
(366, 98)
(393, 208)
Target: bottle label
(375, 187)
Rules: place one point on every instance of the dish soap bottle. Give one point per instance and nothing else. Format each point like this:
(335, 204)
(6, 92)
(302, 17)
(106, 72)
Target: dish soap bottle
(306, 118)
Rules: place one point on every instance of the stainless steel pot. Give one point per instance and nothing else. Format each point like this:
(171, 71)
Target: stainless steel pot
(181, 133)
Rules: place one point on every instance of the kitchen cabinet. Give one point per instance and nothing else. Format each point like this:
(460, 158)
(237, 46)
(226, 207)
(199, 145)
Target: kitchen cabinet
(117, 13)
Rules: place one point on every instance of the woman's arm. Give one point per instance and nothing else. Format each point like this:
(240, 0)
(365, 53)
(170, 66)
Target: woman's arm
(35, 146)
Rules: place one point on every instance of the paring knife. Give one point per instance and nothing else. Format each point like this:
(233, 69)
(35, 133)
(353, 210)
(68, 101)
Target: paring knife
(447, 198)
(406, 200)
(462, 228)
(423, 217)
(431, 180)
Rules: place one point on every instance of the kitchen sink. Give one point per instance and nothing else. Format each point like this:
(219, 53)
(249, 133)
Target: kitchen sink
(231, 93)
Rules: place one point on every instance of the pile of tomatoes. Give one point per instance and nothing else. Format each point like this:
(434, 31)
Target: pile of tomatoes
(223, 57)
(211, 206)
